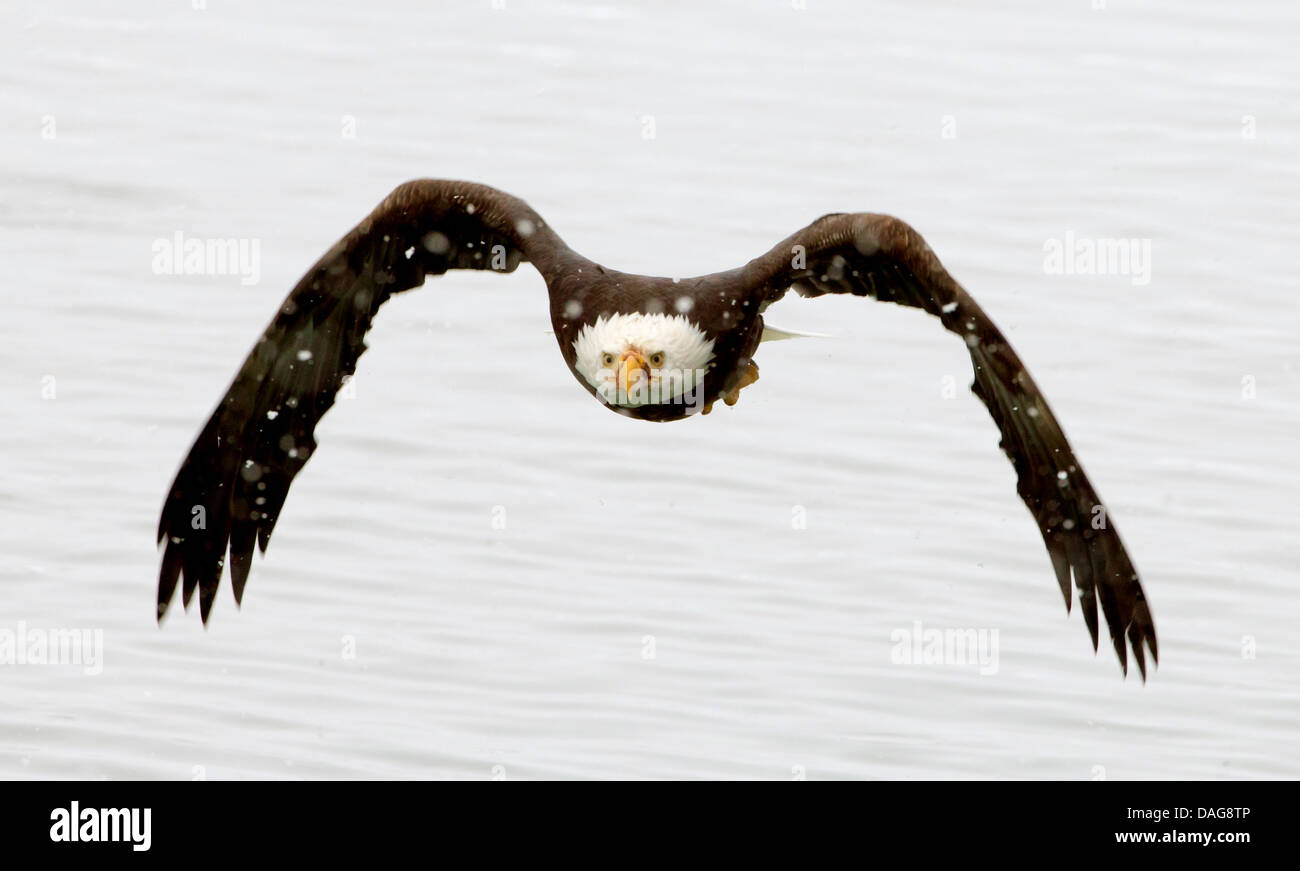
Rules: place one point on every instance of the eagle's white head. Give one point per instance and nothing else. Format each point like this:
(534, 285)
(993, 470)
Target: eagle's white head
(643, 359)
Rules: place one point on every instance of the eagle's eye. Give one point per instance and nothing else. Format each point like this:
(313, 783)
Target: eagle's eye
(657, 360)
(607, 360)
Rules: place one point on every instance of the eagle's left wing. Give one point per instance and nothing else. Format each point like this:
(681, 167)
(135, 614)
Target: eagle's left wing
(883, 258)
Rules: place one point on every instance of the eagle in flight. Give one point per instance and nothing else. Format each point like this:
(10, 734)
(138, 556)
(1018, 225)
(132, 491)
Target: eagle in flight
(658, 349)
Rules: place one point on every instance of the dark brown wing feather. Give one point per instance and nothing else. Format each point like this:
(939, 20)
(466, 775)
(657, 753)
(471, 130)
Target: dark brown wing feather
(884, 258)
(232, 485)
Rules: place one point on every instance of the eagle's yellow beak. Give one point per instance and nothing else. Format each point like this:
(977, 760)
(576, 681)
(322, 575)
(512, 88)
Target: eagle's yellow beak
(631, 369)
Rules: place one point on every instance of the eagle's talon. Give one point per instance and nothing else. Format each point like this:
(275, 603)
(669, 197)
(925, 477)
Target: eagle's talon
(748, 377)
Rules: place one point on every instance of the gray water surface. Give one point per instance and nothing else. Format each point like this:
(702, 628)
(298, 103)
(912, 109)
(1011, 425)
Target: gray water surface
(484, 573)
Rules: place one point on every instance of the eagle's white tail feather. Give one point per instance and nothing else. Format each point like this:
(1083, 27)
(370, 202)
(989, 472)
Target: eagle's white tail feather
(774, 334)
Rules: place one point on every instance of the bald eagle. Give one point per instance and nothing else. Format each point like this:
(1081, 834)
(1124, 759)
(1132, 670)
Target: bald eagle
(656, 349)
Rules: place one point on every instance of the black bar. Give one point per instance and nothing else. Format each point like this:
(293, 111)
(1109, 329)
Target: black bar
(235, 820)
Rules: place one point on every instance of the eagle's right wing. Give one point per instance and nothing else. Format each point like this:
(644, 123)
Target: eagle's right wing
(232, 485)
